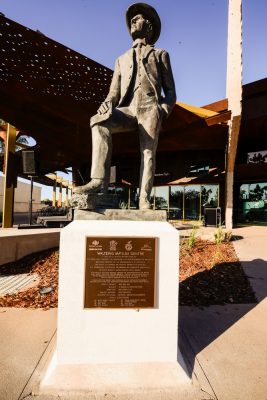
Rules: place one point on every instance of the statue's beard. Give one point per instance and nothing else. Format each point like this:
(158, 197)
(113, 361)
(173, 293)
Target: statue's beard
(139, 35)
(142, 34)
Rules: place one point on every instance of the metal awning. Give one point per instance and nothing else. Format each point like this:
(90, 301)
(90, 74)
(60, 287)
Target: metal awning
(49, 92)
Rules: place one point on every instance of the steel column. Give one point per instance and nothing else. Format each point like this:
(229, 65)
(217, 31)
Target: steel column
(9, 184)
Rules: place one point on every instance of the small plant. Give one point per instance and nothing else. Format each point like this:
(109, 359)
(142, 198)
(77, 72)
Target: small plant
(228, 236)
(219, 235)
(192, 237)
(123, 205)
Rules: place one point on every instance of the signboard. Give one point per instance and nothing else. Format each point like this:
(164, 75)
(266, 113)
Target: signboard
(120, 272)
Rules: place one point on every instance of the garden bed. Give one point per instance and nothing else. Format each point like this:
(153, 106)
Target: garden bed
(209, 274)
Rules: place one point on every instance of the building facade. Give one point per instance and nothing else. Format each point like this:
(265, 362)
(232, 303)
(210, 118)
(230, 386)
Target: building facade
(22, 196)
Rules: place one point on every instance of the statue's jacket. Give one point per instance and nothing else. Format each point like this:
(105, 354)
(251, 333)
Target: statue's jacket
(158, 69)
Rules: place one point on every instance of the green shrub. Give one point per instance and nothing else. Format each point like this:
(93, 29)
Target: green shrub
(192, 237)
(220, 235)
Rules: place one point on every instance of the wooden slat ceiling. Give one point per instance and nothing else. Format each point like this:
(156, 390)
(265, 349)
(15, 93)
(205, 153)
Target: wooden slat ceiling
(49, 92)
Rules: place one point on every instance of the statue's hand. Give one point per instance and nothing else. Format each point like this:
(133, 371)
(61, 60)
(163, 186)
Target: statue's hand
(104, 108)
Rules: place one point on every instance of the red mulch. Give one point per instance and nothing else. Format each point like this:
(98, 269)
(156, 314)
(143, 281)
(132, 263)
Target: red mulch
(212, 274)
(45, 264)
(209, 274)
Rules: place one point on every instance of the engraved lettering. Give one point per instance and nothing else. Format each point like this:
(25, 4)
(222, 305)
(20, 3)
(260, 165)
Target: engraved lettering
(117, 278)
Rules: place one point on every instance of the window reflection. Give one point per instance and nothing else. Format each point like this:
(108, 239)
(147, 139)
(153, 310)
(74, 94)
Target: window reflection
(253, 202)
(123, 193)
(192, 202)
(209, 196)
(133, 198)
(111, 189)
(161, 199)
(176, 202)
(184, 202)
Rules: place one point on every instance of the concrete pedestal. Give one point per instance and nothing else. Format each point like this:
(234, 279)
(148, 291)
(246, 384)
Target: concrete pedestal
(121, 215)
(115, 341)
(93, 201)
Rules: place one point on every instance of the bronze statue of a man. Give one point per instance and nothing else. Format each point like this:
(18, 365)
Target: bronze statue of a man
(135, 102)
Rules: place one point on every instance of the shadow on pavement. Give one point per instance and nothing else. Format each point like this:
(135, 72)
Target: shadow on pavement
(256, 272)
(199, 326)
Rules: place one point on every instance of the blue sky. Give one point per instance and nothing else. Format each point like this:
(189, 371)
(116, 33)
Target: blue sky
(194, 32)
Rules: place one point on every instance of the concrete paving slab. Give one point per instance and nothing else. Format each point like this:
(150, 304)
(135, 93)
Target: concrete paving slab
(229, 342)
(251, 250)
(24, 337)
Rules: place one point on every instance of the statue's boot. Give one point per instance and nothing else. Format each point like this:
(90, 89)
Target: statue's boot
(144, 204)
(94, 186)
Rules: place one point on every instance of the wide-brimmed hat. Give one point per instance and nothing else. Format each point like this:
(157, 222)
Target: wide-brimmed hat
(150, 13)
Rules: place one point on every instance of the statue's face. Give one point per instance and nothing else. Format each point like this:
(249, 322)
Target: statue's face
(139, 26)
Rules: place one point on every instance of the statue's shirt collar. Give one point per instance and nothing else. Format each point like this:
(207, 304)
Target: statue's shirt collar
(140, 42)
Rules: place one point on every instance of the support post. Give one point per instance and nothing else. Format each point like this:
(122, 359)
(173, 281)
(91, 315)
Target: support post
(77, 178)
(54, 199)
(67, 194)
(30, 202)
(60, 191)
(9, 184)
(129, 198)
(234, 95)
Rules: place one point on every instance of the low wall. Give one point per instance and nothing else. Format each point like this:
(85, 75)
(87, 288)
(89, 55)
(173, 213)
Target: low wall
(15, 243)
(24, 207)
(22, 196)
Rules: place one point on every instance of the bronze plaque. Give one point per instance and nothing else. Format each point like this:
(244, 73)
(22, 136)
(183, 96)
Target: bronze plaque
(120, 272)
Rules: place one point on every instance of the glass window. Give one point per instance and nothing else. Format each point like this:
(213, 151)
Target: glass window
(123, 193)
(253, 202)
(192, 202)
(209, 196)
(199, 169)
(134, 198)
(257, 191)
(244, 192)
(258, 157)
(176, 202)
(161, 199)
(111, 189)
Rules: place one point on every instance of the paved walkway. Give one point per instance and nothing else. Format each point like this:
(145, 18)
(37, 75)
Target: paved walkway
(24, 337)
(225, 347)
(252, 251)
